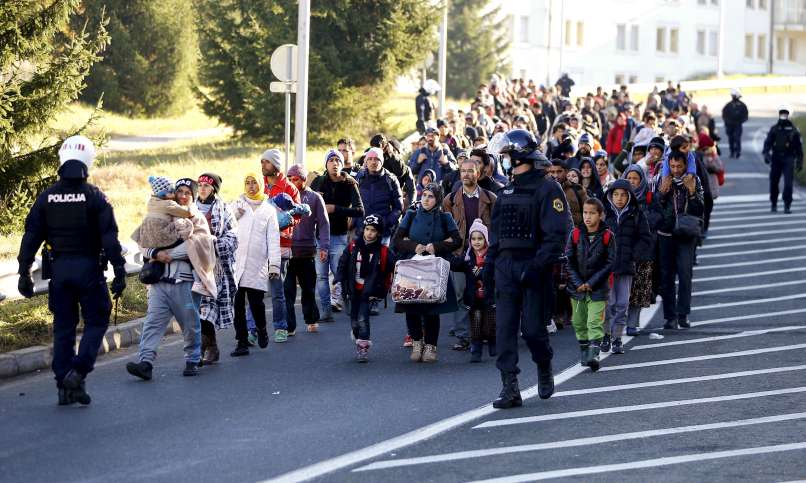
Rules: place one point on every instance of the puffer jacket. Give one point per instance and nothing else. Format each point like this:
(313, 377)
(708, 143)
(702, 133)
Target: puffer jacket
(631, 229)
(590, 262)
(381, 196)
(284, 186)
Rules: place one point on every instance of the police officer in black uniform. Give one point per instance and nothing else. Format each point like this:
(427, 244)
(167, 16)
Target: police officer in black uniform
(528, 231)
(75, 221)
(783, 151)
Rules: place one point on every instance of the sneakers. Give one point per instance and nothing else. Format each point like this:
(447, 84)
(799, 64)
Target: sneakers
(313, 328)
(670, 324)
(476, 348)
(633, 331)
(605, 345)
(618, 347)
(552, 327)
(240, 350)
(430, 353)
(140, 369)
(373, 308)
(407, 341)
(462, 345)
(683, 322)
(362, 350)
(416, 351)
(191, 369)
(75, 387)
(336, 306)
(280, 336)
(263, 338)
(292, 333)
(252, 340)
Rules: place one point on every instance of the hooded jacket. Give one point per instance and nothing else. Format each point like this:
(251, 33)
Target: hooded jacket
(474, 270)
(595, 188)
(381, 196)
(284, 186)
(631, 229)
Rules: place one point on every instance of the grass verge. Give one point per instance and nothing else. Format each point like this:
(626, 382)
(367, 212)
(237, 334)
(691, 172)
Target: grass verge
(26, 323)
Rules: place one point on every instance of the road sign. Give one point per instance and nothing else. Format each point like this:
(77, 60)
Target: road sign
(283, 87)
(284, 62)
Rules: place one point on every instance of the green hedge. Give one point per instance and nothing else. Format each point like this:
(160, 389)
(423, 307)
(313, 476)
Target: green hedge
(800, 122)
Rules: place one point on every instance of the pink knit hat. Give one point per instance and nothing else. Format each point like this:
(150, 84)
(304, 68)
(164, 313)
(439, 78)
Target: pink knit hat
(478, 226)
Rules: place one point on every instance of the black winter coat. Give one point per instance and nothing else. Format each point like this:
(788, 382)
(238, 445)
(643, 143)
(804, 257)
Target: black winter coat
(631, 229)
(376, 284)
(676, 201)
(590, 262)
(473, 276)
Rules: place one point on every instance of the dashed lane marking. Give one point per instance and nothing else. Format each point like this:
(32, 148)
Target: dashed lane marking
(680, 360)
(637, 407)
(746, 333)
(570, 443)
(748, 287)
(766, 315)
(651, 463)
(750, 274)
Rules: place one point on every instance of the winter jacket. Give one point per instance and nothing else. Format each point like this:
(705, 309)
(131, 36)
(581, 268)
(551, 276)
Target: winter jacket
(594, 190)
(223, 227)
(646, 199)
(313, 228)
(284, 186)
(677, 200)
(631, 230)
(377, 275)
(258, 244)
(381, 196)
(432, 161)
(590, 262)
(783, 142)
(454, 204)
(576, 196)
(615, 138)
(345, 198)
(734, 113)
(423, 227)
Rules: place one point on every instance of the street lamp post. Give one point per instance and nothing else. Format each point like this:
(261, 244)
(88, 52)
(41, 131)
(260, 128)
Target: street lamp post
(443, 51)
(303, 43)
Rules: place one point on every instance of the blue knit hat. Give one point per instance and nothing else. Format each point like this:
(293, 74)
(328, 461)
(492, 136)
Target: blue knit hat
(161, 186)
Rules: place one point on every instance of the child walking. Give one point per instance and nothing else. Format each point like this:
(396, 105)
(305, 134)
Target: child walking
(590, 255)
(365, 272)
(478, 296)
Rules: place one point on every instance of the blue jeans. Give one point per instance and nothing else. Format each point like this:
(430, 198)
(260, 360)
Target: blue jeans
(323, 270)
(277, 293)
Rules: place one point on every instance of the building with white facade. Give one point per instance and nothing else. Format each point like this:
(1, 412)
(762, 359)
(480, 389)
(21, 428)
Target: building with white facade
(640, 41)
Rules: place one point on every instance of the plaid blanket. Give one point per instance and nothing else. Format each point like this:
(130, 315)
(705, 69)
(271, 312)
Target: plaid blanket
(219, 310)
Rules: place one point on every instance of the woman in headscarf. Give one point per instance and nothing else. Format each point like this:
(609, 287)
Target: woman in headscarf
(589, 179)
(217, 312)
(427, 230)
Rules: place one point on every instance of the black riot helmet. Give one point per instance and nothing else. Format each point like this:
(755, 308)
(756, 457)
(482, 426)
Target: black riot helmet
(522, 147)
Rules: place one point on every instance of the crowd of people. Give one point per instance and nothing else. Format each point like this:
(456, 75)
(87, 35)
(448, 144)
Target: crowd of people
(551, 212)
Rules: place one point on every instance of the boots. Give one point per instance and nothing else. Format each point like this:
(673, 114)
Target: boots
(545, 380)
(605, 343)
(416, 351)
(140, 369)
(210, 353)
(205, 343)
(476, 348)
(593, 357)
(240, 350)
(430, 353)
(510, 396)
(583, 352)
(76, 388)
(491, 348)
(362, 350)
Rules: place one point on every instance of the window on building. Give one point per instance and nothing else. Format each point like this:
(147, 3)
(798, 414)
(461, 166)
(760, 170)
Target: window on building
(713, 43)
(674, 35)
(748, 46)
(660, 39)
(621, 37)
(701, 42)
(714, 2)
(568, 26)
(791, 53)
(750, 4)
(580, 34)
(762, 4)
(780, 45)
(524, 29)
(634, 38)
(618, 79)
(761, 51)
(633, 79)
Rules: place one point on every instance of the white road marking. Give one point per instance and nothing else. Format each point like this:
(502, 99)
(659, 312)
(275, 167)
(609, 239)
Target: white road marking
(709, 246)
(746, 333)
(766, 315)
(733, 199)
(754, 233)
(349, 459)
(747, 176)
(570, 443)
(651, 463)
(671, 382)
(749, 218)
(750, 302)
(636, 407)
(745, 226)
(750, 274)
(680, 360)
(745, 264)
(748, 287)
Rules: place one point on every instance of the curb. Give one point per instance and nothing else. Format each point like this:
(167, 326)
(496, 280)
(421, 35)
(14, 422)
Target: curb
(32, 359)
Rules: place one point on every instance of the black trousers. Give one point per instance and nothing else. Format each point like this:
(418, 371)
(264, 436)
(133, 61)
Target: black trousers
(302, 270)
(786, 167)
(77, 282)
(734, 132)
(676, 263)
(524, 310)
(418, 323)
(708, 208)
(257, 307)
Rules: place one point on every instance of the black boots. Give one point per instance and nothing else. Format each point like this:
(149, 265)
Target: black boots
(73, 390)
(191, 369)
(545, 380)
(510, 396)
(583, 352)
(683, 323)
(140, 369)
(592, 356)
(240, 350)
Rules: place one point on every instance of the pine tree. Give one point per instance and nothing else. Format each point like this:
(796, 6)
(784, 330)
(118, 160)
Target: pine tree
(42, 68)
(149, 65)
(357, 47)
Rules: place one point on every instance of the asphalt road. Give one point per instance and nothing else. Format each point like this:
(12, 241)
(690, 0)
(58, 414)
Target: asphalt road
(304, 409)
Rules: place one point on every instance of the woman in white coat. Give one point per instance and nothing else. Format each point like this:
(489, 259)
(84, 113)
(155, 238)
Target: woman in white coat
(256, 260)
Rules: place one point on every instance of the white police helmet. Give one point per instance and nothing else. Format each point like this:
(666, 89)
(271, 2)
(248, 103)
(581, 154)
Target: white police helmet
(77, 148)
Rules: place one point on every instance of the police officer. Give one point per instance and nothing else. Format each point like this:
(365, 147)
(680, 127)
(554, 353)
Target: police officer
(783, 151)
(529, 227)
(734, 114)
(75, 221)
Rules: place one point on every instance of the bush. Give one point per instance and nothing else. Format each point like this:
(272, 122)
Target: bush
(800, 122)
